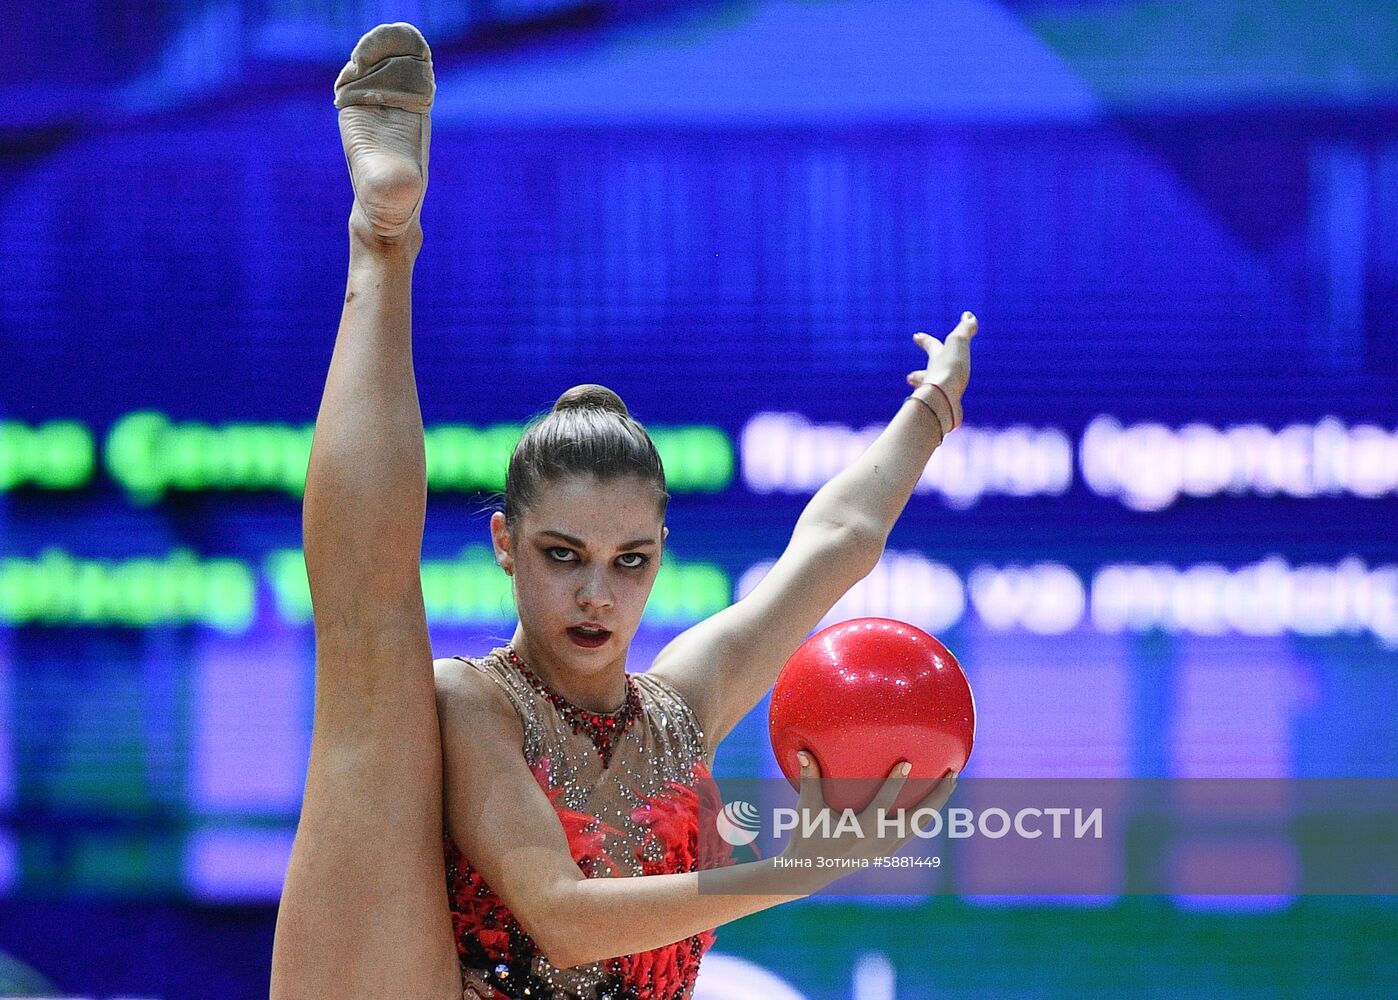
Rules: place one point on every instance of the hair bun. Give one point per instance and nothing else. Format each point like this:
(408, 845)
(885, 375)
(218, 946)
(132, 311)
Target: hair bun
(591, 397)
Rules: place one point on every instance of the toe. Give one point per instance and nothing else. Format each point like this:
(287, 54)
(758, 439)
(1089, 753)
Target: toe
(387, 41)
(390, 66)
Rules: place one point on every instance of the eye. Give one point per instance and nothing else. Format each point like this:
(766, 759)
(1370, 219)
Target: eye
(565, 557)
(641, 560)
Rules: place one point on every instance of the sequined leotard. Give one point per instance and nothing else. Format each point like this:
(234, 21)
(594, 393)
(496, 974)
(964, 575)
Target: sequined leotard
(638, 815)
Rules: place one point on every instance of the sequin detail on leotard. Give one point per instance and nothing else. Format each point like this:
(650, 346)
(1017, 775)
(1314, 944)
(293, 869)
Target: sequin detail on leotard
(637, 816)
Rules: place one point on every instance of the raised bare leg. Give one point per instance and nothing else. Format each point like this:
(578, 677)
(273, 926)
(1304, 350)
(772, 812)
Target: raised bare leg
(364, 909)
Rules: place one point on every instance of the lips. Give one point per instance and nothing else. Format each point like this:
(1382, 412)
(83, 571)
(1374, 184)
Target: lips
(589, 636)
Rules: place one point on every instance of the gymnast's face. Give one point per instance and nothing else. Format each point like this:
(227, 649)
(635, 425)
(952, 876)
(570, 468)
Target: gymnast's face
(586, 553)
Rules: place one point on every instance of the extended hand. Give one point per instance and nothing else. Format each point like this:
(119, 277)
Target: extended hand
(873, 838)
(948, 364)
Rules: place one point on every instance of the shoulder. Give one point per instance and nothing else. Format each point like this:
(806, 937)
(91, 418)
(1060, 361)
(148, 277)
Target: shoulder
(467, 691)
(454, 678)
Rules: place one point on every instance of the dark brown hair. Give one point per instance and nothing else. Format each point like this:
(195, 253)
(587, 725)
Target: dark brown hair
(589, 431)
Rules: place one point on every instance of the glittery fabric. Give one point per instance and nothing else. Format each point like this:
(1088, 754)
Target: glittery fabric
(637, 816)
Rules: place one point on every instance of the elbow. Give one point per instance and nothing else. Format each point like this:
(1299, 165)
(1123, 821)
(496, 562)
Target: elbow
(847, 551)
(556, 948)
(869, 550)
(562, 950)
(859, 545)
(557, 935)
(851, 540)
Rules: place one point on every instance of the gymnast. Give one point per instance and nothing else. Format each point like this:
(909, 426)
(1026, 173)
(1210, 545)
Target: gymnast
(525, 823)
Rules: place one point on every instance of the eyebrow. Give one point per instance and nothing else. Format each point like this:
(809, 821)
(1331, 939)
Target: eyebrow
(635, 543)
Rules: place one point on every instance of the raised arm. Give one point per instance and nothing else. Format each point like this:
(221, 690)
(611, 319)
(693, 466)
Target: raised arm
(726, 664)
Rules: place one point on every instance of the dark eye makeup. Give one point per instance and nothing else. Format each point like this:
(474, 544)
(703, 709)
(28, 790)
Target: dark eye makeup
(569, 556)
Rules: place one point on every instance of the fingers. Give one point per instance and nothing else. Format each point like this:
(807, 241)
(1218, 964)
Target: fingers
(966, 328)
(811, 799)
(933, 347)
(888, 791)
(937, 798)
(928, 343)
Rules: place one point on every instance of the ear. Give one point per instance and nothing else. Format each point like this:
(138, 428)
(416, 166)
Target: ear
(501, 542)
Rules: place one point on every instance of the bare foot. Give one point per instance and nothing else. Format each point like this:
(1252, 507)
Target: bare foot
(384, 94)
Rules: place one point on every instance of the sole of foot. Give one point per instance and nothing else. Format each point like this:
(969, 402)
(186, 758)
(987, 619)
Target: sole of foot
(384, 95)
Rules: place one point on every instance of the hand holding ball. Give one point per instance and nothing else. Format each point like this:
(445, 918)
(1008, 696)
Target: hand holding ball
(864, 694)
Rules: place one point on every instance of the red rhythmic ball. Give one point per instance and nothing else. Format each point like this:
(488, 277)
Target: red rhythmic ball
(864, 694)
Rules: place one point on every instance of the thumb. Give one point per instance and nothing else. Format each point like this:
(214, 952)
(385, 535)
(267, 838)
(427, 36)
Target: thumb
(811, 799)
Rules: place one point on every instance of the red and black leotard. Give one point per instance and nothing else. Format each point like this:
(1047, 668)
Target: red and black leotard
(637, 815)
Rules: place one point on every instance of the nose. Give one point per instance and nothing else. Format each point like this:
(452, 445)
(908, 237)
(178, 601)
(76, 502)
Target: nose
(594, 591)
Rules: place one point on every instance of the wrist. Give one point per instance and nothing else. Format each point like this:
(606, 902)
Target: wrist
(935, 400)
(941, 402)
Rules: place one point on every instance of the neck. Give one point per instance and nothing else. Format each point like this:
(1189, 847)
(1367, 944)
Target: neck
(601, 688)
